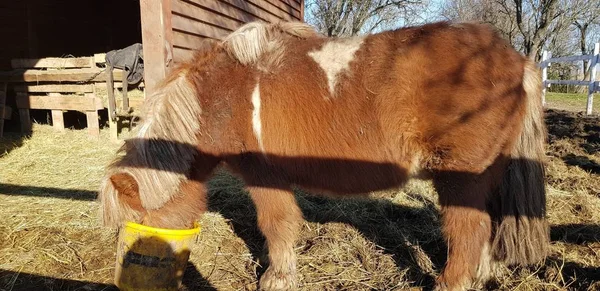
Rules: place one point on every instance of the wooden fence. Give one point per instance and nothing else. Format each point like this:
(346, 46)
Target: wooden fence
(592, 84)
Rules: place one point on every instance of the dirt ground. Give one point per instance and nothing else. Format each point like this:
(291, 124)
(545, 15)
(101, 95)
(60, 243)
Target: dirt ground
(50, 238)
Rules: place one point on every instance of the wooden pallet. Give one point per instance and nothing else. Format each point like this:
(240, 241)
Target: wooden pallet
(57, 84)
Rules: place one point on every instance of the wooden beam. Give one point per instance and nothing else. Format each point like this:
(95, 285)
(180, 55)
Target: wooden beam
(257, 10)
(93, 123)
(77, 103)
(286, 8)
(269, 7)
(227, 10)
(58, 120)
(135, 103)
(78, 75)
(182, 54)
(190, 28)
(7, 112)
(25, 120)
(55, 88)
(100, 58)
(202, 14)
(3, 88)
(85, 62)
(189, 41)
(294, 4)
(113, 123)
(157, 38)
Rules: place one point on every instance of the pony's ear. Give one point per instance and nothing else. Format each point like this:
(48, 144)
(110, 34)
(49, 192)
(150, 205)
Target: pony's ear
(128, 190)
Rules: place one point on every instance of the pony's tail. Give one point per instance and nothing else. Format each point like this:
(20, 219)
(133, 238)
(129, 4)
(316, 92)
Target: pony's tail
(521, 233)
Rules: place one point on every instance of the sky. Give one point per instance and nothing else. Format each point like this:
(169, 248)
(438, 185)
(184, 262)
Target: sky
(428, 15)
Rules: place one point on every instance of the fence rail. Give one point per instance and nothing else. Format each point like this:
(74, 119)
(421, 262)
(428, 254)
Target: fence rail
(592, 84)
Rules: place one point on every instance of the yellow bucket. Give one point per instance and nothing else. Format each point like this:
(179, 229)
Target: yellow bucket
(151, 258)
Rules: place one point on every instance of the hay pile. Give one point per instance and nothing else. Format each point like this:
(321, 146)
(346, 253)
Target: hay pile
(50, 237)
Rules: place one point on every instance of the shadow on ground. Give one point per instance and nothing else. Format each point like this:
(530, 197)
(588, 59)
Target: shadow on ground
(17, 281)
(406, 233)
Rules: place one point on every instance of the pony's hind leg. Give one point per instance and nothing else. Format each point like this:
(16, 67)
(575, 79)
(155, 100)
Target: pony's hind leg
(279, 219)
(466, 226)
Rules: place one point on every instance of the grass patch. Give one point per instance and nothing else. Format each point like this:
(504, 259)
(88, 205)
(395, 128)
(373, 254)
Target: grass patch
(575, 102)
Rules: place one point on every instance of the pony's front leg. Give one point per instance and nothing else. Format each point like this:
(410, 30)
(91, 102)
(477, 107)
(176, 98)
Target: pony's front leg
(279, 219)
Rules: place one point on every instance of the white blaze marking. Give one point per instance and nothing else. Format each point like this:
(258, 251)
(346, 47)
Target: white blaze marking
(256, 125)
(335, 57)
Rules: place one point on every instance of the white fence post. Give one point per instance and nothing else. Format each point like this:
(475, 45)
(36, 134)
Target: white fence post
(544, 76)
(592, 85)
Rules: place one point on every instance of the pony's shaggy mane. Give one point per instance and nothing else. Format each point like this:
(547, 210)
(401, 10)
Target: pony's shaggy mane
(161, 154)
(250, 43)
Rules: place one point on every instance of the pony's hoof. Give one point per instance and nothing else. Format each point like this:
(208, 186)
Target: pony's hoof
(273, 280)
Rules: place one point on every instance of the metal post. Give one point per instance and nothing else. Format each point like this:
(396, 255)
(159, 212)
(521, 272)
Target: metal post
(592, 85)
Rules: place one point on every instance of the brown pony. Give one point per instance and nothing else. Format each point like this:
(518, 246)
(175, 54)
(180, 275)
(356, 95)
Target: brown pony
(283, 107)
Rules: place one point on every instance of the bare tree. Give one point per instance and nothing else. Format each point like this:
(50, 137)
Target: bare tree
(587, 26)
(352, 17)
(491, 12)
(528, 24)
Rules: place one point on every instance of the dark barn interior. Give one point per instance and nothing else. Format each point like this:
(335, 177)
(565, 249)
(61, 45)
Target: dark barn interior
(56, 28)
(64, 28)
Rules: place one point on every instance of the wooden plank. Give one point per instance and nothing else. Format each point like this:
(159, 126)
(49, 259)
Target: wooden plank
(182, 54)
(135, 103)
(124, 93)
(279, 7)
(78, 75)
(99, 58)
(25, 120)
(85, 62)
(7, 112)
(254, 7)
(157, 37)
(295, 4)
(226, 10)
(187, 26)
(202, 14)
(55, 88)
(93, 124)
(3, 88)
(119, 85)
(185, 40)
(113, 124)
(25, 101)
(58, 121)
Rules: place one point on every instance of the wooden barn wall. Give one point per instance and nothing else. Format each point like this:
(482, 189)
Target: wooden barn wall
(194, 20)
(55, 28)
